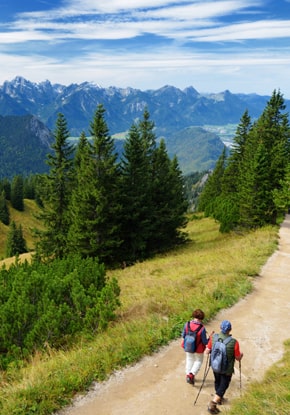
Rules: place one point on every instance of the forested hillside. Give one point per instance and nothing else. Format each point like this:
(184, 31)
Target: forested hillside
(24, 144)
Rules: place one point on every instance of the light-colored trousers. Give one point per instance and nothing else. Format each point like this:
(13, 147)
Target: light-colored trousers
(193, 362)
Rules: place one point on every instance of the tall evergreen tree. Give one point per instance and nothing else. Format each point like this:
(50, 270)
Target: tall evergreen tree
(29, 187)
(6, 186)
(254, 185)
(17, 193)
(134, 192)
(233, 164)
(82, 144)
(95, 202)
(4, 211)
(148, 137)
(168, 201)
(153, 198)
(282, 196)
(226, 209)
(56, 191)
(213, 187)
(266, 158)
(15, 243)
(136, 189)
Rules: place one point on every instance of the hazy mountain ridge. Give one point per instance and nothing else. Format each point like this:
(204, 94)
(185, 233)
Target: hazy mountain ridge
(172, 109)
(177, 114)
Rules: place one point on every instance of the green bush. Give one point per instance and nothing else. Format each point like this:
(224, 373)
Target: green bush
(47, 304)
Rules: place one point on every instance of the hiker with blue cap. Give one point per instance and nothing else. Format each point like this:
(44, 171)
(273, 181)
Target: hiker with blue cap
(223, 350)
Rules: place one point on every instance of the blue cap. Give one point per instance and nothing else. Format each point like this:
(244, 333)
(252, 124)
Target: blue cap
(225, 326)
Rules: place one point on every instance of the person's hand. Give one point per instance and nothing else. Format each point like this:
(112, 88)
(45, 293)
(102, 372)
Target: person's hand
(211, 334)
(240, 357)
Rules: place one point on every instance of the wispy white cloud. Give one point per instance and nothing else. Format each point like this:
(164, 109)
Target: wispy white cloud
(263, 29)
(147, 43)
(174, 20)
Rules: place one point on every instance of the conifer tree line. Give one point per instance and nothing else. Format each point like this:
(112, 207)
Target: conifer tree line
(250, 187)
(116, 210)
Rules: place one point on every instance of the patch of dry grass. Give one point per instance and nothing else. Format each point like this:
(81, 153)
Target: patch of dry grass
(206, 264)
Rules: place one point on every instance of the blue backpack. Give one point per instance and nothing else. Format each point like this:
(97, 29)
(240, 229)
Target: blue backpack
(190, 342)
(218, 356)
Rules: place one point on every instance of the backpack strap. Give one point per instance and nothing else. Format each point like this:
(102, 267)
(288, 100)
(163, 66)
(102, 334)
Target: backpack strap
(228, 339)
(194, 331)
(225, 341)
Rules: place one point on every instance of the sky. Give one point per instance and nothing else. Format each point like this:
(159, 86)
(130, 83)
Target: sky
(237, 45)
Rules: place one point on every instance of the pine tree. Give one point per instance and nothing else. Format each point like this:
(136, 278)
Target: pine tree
(17, 193)
(29, 187)
(6, 186)
(213, 187)
(233, 165)
(82, 144)
(153, 198)
(4, 211)
(15, 244)
(138, 218)
(95, 202)
(281, 196)
(56, 191)
(226, 209)
(254, 185)
(134, 191)
(148, 137)
(168, 201)
(264, 164)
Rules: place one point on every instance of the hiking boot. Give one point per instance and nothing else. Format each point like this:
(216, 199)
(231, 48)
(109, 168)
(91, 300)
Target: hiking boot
(212, 408)
(190, 379)
(222, 401)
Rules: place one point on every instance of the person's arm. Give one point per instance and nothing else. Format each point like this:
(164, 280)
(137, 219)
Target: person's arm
(204, 339)
(209, 345)
(184, 330)
(237, 352)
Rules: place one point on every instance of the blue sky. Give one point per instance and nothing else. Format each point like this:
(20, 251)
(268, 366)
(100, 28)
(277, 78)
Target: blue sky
(240, 45)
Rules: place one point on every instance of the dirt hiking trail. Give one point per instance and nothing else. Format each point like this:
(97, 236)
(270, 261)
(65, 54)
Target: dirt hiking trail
(156, 385)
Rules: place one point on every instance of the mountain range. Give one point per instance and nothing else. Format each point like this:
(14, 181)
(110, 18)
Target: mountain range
(178, 114)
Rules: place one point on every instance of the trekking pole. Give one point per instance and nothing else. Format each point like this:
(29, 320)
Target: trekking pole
(206, 370)
(240, 369)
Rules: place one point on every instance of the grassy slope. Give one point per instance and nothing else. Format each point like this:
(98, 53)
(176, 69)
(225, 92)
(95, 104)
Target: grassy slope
(27, 221)
(159, 293)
